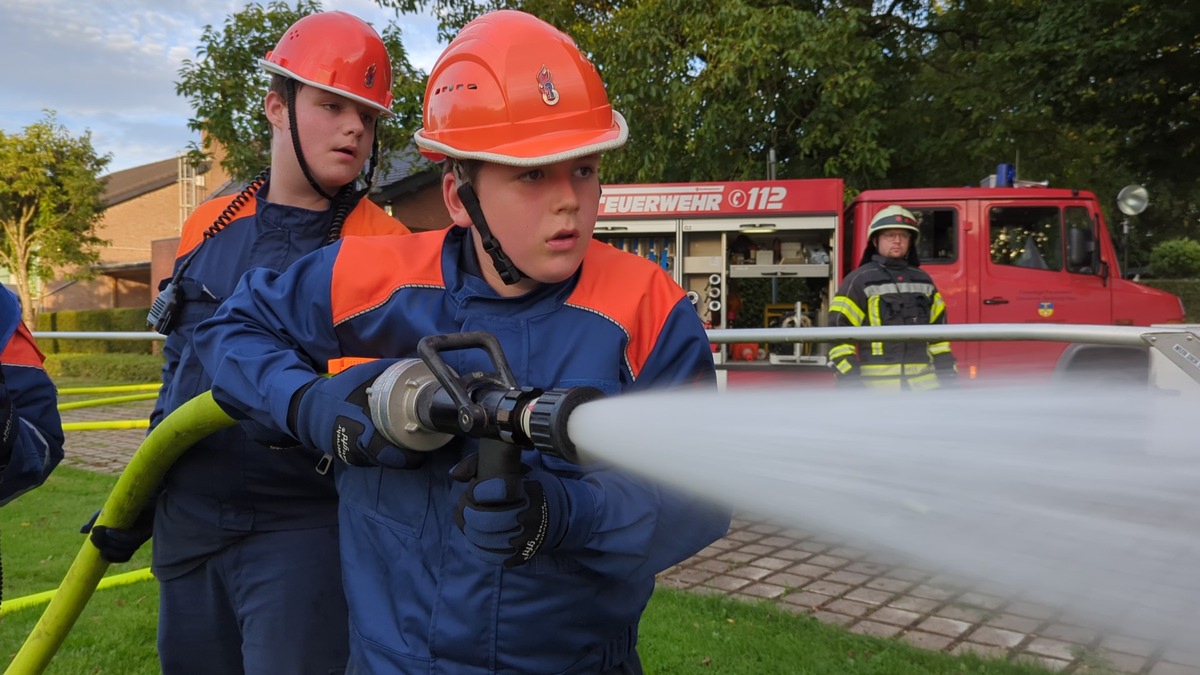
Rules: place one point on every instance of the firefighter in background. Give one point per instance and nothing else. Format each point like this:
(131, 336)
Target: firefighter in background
(245, 533)
(890, 289)
(546, 570)
(31, 435)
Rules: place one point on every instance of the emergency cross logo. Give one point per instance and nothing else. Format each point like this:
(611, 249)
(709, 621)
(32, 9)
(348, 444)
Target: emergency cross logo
(546, 86)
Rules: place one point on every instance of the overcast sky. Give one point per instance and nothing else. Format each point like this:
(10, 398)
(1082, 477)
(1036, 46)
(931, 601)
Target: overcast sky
(111, 66)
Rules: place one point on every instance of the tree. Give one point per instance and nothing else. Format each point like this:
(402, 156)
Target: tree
(901, 93)
(50, 204)
(1133, 69)
(1176, 259)
(1089, 95)
(226, 86)
(711, 88)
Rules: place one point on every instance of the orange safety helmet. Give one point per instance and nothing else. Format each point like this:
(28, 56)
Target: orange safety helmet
(512, 89)
(337, 52)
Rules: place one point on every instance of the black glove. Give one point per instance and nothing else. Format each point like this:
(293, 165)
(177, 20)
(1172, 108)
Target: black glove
(851, 379)
(8, 423)
(331, 415)
(510, 518)
(947, 370)
(117, 545)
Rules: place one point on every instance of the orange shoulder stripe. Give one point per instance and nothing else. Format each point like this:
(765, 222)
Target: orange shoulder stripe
(21, 350)
(367, 219)
(369, 269)
(203, 218)
(632, 292)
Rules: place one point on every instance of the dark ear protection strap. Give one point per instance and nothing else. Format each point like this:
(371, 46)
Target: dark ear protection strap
(509, 273)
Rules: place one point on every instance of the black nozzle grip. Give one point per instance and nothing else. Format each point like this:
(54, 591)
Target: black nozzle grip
(498, 459)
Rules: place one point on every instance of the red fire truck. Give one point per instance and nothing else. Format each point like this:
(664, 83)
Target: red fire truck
(754, 254)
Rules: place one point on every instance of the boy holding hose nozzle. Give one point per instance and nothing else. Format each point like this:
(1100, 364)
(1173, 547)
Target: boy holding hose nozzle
(546, 569)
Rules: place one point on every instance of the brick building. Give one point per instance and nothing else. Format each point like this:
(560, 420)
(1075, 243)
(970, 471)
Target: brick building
(146, 206)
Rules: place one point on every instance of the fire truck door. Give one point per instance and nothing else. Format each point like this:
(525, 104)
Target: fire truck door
(941, 250)
(1028, 275)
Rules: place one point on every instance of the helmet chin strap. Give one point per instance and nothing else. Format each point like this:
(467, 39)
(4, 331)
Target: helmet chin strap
(509, 272)
(291, 106)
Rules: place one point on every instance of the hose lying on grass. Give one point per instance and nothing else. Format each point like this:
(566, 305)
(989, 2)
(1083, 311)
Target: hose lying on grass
(177, 432)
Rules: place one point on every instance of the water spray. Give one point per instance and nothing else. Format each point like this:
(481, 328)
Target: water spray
(1079, 497)
(1082, 498)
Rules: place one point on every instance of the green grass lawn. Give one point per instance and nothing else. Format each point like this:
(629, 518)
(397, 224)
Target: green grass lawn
(686, 632)
(681, 633)
(39, 537)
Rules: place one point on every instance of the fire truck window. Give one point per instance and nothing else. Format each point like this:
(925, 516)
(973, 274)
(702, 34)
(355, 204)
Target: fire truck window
(938, 242)
(1079, 218)
(1026, 236)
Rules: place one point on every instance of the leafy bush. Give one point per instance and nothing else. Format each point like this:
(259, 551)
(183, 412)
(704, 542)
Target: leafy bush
(129, 319)
(115, 368)
(1176, 259)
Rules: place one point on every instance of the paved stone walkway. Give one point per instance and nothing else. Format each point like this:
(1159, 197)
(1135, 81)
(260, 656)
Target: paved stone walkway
(807, 574)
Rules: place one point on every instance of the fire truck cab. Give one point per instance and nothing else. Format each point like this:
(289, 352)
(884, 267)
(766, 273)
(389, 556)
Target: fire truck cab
(754, 254)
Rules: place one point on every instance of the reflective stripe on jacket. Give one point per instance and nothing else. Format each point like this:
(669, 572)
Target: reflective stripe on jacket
(889, 292)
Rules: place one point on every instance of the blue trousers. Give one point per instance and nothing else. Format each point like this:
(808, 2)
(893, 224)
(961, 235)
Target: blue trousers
(272, 603)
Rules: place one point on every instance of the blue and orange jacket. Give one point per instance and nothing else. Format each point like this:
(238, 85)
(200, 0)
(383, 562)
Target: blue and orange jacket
(420, 601)
(38, 446)
(230, 483)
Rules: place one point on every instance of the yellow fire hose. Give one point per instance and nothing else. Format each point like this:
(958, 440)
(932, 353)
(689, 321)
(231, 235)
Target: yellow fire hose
(110, 389)
(177, 432)
(35, 599)
(73, 405)
(106, 424)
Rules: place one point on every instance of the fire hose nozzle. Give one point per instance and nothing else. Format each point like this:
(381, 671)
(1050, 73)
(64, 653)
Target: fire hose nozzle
(395, 400)
(547, 419)
(413, 410)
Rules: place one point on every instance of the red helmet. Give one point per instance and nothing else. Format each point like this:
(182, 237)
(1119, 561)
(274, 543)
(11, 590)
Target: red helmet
(337, 52)
(512, 89)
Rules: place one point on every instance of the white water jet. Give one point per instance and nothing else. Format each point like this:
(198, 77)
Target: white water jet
(1083, 499)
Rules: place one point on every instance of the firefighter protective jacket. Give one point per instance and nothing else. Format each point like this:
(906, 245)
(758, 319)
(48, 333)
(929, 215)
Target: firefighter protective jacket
(38, 434)
(889, 292)
(230, 483)
(420, 601)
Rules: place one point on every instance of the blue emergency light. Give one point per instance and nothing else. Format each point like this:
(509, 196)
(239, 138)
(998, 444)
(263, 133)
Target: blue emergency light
(1006, 175)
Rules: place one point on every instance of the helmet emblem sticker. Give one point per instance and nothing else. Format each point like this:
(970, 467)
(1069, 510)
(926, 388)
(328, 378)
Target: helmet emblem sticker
(546, 86)
(369, 79)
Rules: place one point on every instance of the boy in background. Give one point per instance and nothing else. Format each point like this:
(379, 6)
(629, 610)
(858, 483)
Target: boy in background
(245, 535)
